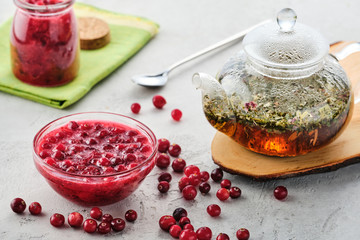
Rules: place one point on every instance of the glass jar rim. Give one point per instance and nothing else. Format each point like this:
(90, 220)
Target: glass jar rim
(44, 8)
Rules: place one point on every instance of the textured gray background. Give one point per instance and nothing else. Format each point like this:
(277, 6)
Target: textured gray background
(322, 206)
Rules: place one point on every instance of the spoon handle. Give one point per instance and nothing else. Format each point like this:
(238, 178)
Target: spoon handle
(228, 40)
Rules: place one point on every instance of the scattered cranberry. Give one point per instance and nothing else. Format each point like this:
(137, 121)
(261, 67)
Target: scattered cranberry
(107, 218)
(163, 187)
(226, 183)
(178, 165)
(195, 179)
(117, 224)
(189, 192)
(223, 194)
(165, 177)
(204, 175)
(163, 160)
(183, 182)
(135, 108)
(188, 234)
(104, 228)
(179, 213)
(176, 114)
(96, 213)
(222, 236)
(163, 145)
(204, 187)
(131, 215)
(188, 226)
(183, 221)
(235, 192)
(175, 231)
(57, 220)
(204, 233)
(159, 101)
(90, 225)
(191, 169)
(174, 150)
(217, 174)
(166, 222)
(18, 205)
(242, 234)
(35, 208)
(213, 210)
(280, 192)
(75, 219)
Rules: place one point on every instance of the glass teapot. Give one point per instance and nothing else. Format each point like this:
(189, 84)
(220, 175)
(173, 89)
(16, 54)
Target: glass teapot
(283, 94)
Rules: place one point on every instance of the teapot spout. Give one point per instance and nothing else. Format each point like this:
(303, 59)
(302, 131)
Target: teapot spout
(216, 105)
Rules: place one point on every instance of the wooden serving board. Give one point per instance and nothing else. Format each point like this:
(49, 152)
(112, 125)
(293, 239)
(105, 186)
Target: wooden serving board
(345, 150)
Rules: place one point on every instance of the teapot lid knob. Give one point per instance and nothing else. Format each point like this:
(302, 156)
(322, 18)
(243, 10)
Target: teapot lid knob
(286, 19)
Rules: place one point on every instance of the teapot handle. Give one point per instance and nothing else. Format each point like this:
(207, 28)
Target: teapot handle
(348, 55)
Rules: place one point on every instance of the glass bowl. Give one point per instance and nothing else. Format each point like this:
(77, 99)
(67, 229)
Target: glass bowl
(95, 189)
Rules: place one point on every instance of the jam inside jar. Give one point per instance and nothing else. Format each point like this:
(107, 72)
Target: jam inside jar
(44, 42)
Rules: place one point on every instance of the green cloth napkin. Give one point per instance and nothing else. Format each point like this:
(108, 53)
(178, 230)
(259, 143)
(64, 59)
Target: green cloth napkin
(128, 35)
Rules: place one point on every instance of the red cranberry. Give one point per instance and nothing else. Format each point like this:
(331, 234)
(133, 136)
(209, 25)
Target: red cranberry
(204, 175)
(75, 219)
(118, 224)
(191, 169)
(235, 192)
(131, 215)
(183, 182)
(179, 213)
(163, 187)
(96, 213)
(183, 221)
(166, 222)
(226, 183)
(107, 218)
(280, 192)
(90, 225)
(163, 145)
(213, 210)
(217, 174)
(188, 234)
(135, 108)
(188, 226)
(242, 234)
(195, 179)
(175, 231)
(159, 101)
(18, 205)
(165, 177)
(204, 233)
(73, 125)
(163, 160)
(176, 114)
(204, 187)
(189, 192)
(223, 194)
(57, 220)
(174, 150)
(104, 228)
(35, 208)
(222, 236)
(178, 165)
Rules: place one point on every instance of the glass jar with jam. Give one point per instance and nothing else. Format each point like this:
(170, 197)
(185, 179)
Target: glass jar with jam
(44, 42)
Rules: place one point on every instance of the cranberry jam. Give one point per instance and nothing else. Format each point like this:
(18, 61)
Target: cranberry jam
(95, 162)
(44, 42)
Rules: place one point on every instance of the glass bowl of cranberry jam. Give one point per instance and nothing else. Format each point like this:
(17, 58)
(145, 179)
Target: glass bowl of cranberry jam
(44, 42)
(95, 158)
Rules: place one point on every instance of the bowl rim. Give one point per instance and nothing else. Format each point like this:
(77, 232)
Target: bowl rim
(40, 161)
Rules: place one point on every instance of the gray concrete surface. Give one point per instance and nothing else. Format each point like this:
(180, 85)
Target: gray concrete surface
(321, 206)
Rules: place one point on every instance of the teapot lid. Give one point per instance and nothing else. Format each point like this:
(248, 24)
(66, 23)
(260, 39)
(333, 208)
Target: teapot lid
(286, 44)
